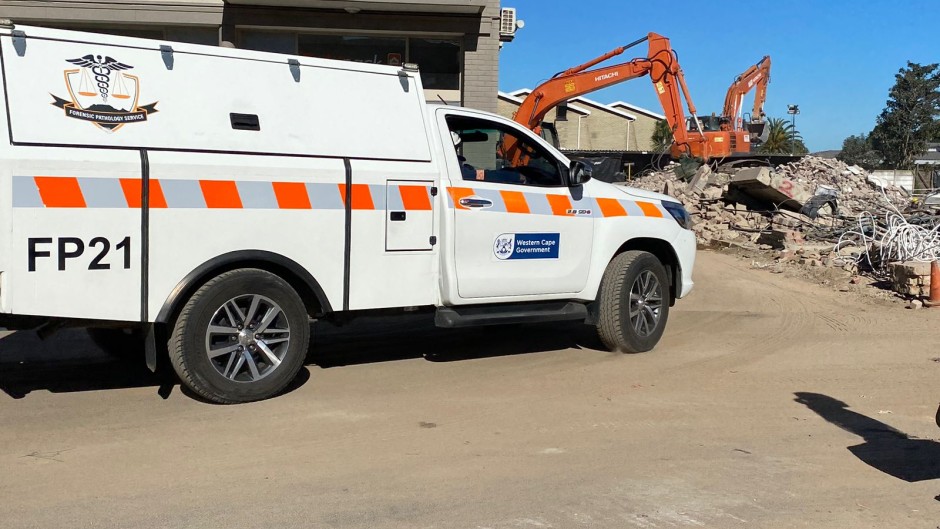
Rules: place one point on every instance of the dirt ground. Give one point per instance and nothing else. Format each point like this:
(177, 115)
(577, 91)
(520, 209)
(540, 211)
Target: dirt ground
(770, 402)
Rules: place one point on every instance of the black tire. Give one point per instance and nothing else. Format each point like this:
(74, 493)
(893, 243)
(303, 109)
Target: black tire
(190, 341)
(614, 326)
(118, 342)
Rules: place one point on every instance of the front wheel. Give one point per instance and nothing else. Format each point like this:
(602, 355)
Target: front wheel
(241, 337)
(633, 302)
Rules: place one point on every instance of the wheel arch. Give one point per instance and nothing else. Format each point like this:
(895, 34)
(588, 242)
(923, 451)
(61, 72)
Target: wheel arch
(307, 287)
(666, 255)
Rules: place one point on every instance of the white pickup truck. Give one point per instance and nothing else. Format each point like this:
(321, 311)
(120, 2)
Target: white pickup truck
(215, 200)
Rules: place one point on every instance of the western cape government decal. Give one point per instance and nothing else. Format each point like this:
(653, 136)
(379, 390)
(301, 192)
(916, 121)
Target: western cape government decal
(526, 246)
(103, 93)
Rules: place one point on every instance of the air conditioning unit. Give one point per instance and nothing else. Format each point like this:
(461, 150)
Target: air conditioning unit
(508, 24)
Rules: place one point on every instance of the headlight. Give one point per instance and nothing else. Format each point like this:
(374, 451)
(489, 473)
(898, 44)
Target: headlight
(679, 213)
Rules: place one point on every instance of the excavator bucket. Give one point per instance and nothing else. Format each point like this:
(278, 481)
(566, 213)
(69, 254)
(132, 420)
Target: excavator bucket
(758, 131)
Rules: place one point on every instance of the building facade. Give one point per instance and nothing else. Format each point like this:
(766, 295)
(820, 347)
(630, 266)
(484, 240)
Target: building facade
(455, 43)
(594, 126)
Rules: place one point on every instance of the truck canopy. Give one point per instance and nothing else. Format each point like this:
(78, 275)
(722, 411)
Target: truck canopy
(157, 94)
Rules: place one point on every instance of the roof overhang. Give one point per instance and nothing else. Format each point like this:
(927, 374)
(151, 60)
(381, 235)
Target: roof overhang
(115, 12)
(515, 98)
(405, 6)
(523, 92)
(639, 110)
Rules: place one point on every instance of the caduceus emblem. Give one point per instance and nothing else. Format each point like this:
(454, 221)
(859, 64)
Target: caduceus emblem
(101, 68)
(102, 92)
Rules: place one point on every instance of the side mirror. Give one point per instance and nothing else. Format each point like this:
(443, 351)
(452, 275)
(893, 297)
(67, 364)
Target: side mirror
(579, 173)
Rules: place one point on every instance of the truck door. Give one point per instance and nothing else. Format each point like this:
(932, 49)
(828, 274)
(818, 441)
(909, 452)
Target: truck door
(518, 229)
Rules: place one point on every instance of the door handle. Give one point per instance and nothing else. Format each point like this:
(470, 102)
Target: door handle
(396, 216)
(475, 202)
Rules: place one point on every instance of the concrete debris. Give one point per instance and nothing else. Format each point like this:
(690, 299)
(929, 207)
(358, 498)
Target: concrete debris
(700, 179)
(772, 188)
(798, 211)
(850, 184)
(748, 205)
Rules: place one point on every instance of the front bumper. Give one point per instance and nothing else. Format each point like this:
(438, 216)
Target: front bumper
(684, 245)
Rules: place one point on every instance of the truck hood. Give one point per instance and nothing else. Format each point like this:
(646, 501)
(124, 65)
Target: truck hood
(648, 195)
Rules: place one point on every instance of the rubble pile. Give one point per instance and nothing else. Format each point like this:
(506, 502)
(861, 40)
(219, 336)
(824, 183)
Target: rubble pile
(856, 194)
(812, 199)
(813, 212)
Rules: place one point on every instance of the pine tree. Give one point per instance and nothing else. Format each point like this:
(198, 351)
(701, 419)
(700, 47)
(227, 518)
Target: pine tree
(909, 119)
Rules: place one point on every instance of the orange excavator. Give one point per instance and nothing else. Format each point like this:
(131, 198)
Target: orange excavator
(661, 65)
(757, 76)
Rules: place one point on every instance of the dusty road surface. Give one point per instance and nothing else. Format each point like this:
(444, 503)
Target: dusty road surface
(769, 403)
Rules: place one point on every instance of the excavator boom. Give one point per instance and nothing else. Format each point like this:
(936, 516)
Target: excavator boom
(668, 82)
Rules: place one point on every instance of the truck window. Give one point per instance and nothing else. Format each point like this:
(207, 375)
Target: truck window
(478, 144)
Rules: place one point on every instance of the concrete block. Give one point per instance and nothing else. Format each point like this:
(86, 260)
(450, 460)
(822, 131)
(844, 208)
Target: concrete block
(910, 269)
(699, 179)
(767, 186)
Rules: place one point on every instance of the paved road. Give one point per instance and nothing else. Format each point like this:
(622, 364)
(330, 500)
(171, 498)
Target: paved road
(769, 403)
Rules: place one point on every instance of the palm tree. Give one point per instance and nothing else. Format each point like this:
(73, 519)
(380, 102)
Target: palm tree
(782, 138)
(662, 136)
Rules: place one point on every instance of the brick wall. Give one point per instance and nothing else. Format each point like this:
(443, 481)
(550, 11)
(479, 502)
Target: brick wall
(481, 62)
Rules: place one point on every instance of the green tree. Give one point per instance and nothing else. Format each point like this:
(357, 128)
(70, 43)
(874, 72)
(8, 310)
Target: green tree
(662, 136)
(782, 138)
(909, 119)
(858, 150)
(799, 147)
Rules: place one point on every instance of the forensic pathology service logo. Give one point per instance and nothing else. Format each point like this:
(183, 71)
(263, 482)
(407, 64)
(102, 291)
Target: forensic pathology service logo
(103, 93)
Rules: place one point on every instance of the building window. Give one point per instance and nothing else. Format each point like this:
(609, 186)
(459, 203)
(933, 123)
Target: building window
(372, 50)
(273, 41)
(438, 59)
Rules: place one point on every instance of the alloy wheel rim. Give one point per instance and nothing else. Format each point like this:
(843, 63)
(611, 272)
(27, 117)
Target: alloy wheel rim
(646, 303)
(247, 338)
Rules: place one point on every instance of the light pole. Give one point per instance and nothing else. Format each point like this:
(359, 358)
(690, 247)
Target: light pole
(793, 110)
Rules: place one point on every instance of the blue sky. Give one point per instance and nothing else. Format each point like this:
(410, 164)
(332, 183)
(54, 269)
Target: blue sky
(835, 59)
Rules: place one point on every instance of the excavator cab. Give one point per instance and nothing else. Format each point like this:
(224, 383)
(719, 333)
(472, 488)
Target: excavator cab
(550, 134)
(709, 124)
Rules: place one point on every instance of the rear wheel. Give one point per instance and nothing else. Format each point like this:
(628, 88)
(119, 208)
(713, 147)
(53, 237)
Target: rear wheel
(633, 303)
(241, 337)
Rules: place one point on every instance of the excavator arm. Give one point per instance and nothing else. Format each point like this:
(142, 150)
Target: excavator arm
(757, 76)
(660, 64)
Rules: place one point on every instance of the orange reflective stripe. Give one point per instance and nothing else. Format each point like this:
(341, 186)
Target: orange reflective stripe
(560, 204)
(456, 193)
(611, 207)
(157, 200)
(649, 209)
(361, 196)
(59, 192)
(131, 188)
(291, 195)
(415, 198)
(220, 194)
(515, 201)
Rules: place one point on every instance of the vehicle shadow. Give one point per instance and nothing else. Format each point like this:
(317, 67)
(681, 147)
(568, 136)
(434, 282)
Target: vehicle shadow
(381, 339)
(66, 362)
(885, 448)
(70, 362)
